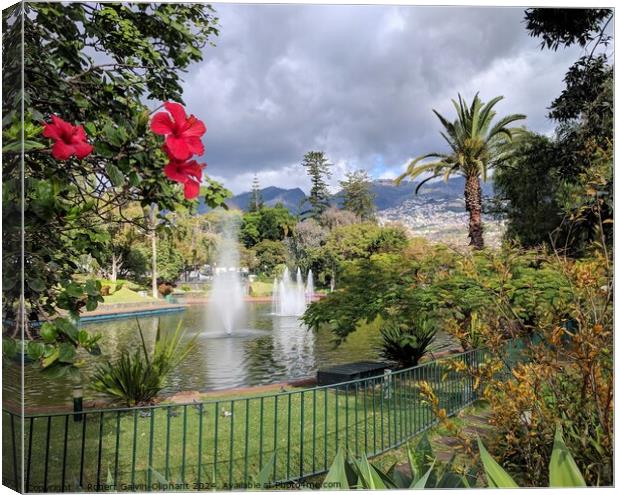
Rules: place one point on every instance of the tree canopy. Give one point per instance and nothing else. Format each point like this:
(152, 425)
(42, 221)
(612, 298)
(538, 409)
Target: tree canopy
(358, 195)
(318, 168)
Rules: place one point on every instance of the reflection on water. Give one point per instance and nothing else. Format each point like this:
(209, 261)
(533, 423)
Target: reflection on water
(266, 349)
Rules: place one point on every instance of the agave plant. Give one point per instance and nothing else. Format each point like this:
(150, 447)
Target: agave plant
(136, 378)
(563, 471)
(425, 472)
(475, 147)
(406, 344)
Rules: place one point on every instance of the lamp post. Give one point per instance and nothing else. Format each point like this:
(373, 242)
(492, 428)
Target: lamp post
(78, 395)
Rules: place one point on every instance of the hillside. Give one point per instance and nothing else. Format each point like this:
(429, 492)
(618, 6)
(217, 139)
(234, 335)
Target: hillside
(387, 194)
(437, 212)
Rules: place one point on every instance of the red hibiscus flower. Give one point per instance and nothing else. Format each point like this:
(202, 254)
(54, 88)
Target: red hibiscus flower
(182, 133)
(69, 139)
(187, 173)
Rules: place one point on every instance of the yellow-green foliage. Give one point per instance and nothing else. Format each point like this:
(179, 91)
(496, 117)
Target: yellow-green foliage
(260, 289)
(125, 295)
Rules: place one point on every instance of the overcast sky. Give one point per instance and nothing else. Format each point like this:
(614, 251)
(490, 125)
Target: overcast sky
(358, 82)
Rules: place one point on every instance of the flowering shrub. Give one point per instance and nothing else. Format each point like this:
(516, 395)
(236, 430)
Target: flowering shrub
(182, 135)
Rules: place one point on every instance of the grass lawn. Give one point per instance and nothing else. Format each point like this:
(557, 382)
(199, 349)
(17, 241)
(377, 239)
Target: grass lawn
(261, 289)
(227, 441)
(125, 295)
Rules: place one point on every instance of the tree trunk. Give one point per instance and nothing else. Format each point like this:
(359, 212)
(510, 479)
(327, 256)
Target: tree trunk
(115, 267)
(473, 205)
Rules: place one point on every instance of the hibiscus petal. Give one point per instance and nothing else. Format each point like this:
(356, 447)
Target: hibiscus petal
(80, 134)
(174, 172)
(177, 111)
(177, 148)
(82, 150)
(195, 145)
(62, 150)
(194, 169)
(51, 131)
(162, 124)
(196, 129)
(63, 126)
(191, 189)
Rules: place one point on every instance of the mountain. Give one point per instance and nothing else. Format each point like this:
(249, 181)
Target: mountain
(437, 212)
(291, 198)
(387, 194)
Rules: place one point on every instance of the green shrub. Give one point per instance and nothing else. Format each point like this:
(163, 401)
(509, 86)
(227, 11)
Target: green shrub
(136, 378)
(406, 344)
(185, 288)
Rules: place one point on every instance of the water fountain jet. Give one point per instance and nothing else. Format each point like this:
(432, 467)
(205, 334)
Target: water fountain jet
(290, 297)
(226, 300)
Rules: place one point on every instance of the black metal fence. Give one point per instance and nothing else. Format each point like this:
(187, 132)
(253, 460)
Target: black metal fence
(225, 444)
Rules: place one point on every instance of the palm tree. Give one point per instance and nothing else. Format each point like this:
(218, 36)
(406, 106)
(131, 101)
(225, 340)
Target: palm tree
(476, 147)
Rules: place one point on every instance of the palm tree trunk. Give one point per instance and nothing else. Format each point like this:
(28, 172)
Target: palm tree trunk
(473, 205)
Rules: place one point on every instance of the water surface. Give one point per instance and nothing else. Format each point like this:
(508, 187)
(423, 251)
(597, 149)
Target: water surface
(264, 349)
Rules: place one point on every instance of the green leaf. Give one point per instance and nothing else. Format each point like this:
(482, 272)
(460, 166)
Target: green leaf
(337, 475)
(263, 478)
(35, 350)
(73, 372)
(9, 348)
(92, 287)
(74, 290)
(91, 130)
(91, 304)
(115, 175)
(563, 470)
(421, 483)
(55, 370)
(50, 358)
(67, 328)
(368, 475)
(496, 476)
(48, 332)
(66, 353)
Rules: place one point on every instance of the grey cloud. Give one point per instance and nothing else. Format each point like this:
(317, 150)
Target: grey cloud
(357, 81)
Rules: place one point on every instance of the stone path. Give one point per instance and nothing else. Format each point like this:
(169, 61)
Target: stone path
(476, 424)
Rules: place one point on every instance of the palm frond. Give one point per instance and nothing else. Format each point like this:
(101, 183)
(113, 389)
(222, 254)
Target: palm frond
(485, 112)
(413, 172)
(413, 164)
(449, 126)
(424, 182)
(501, 124)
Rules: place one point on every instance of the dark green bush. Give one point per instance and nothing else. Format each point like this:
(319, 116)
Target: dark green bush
(405, 343)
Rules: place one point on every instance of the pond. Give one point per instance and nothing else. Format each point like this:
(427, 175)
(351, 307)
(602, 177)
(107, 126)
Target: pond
(268, 349)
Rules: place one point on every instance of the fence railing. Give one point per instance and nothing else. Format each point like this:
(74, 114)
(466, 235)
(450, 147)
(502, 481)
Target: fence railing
(224, 444)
